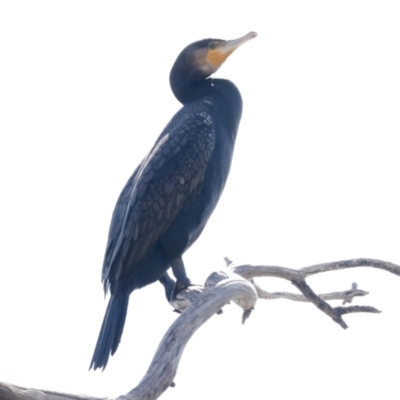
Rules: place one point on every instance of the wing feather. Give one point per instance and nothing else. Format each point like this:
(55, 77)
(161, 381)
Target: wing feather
(166, 180)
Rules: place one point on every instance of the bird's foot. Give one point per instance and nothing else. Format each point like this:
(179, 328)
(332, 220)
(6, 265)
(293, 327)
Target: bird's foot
(180, 285)
(185, 296)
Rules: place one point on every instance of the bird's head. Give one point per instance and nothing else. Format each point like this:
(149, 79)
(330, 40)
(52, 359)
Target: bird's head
(206, 56)
(201, 59)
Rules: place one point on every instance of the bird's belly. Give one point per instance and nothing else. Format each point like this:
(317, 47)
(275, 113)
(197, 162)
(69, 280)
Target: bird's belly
(150, 269)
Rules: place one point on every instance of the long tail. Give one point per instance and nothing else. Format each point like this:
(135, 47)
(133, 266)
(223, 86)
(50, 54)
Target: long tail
(111, 330)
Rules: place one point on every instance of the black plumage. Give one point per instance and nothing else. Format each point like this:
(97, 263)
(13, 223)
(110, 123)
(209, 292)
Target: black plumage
(168, 200)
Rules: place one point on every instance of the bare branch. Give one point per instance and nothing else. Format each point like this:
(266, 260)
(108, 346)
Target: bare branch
(200, 303)
(356, 309)
(249, 271)
(220, 289)
(304, 288)
(353, 263)
(347, 295)
(12, 392)
(297, 278)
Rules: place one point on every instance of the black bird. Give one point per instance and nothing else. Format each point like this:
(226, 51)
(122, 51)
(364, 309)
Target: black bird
(168, 200)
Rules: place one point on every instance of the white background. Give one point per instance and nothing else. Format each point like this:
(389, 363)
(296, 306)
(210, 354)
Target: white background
(84, 94)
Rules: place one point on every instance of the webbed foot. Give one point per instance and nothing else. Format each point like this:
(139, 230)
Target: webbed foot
(180, 285)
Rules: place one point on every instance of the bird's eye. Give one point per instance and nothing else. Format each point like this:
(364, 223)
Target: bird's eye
(211, 45)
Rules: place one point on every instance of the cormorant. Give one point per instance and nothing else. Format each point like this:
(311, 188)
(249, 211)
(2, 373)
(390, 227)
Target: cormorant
(168, 200)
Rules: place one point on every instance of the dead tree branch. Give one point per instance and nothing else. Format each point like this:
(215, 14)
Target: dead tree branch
(219, 290)
(13, 392)
(237, 285)
(347, 296)
(298, 279)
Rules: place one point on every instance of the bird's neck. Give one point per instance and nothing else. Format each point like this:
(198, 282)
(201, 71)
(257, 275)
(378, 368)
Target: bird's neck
(222, 93)
(229, 100)
(189, 89)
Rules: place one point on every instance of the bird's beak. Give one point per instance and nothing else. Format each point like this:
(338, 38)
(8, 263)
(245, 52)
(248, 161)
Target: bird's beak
(216, 57)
